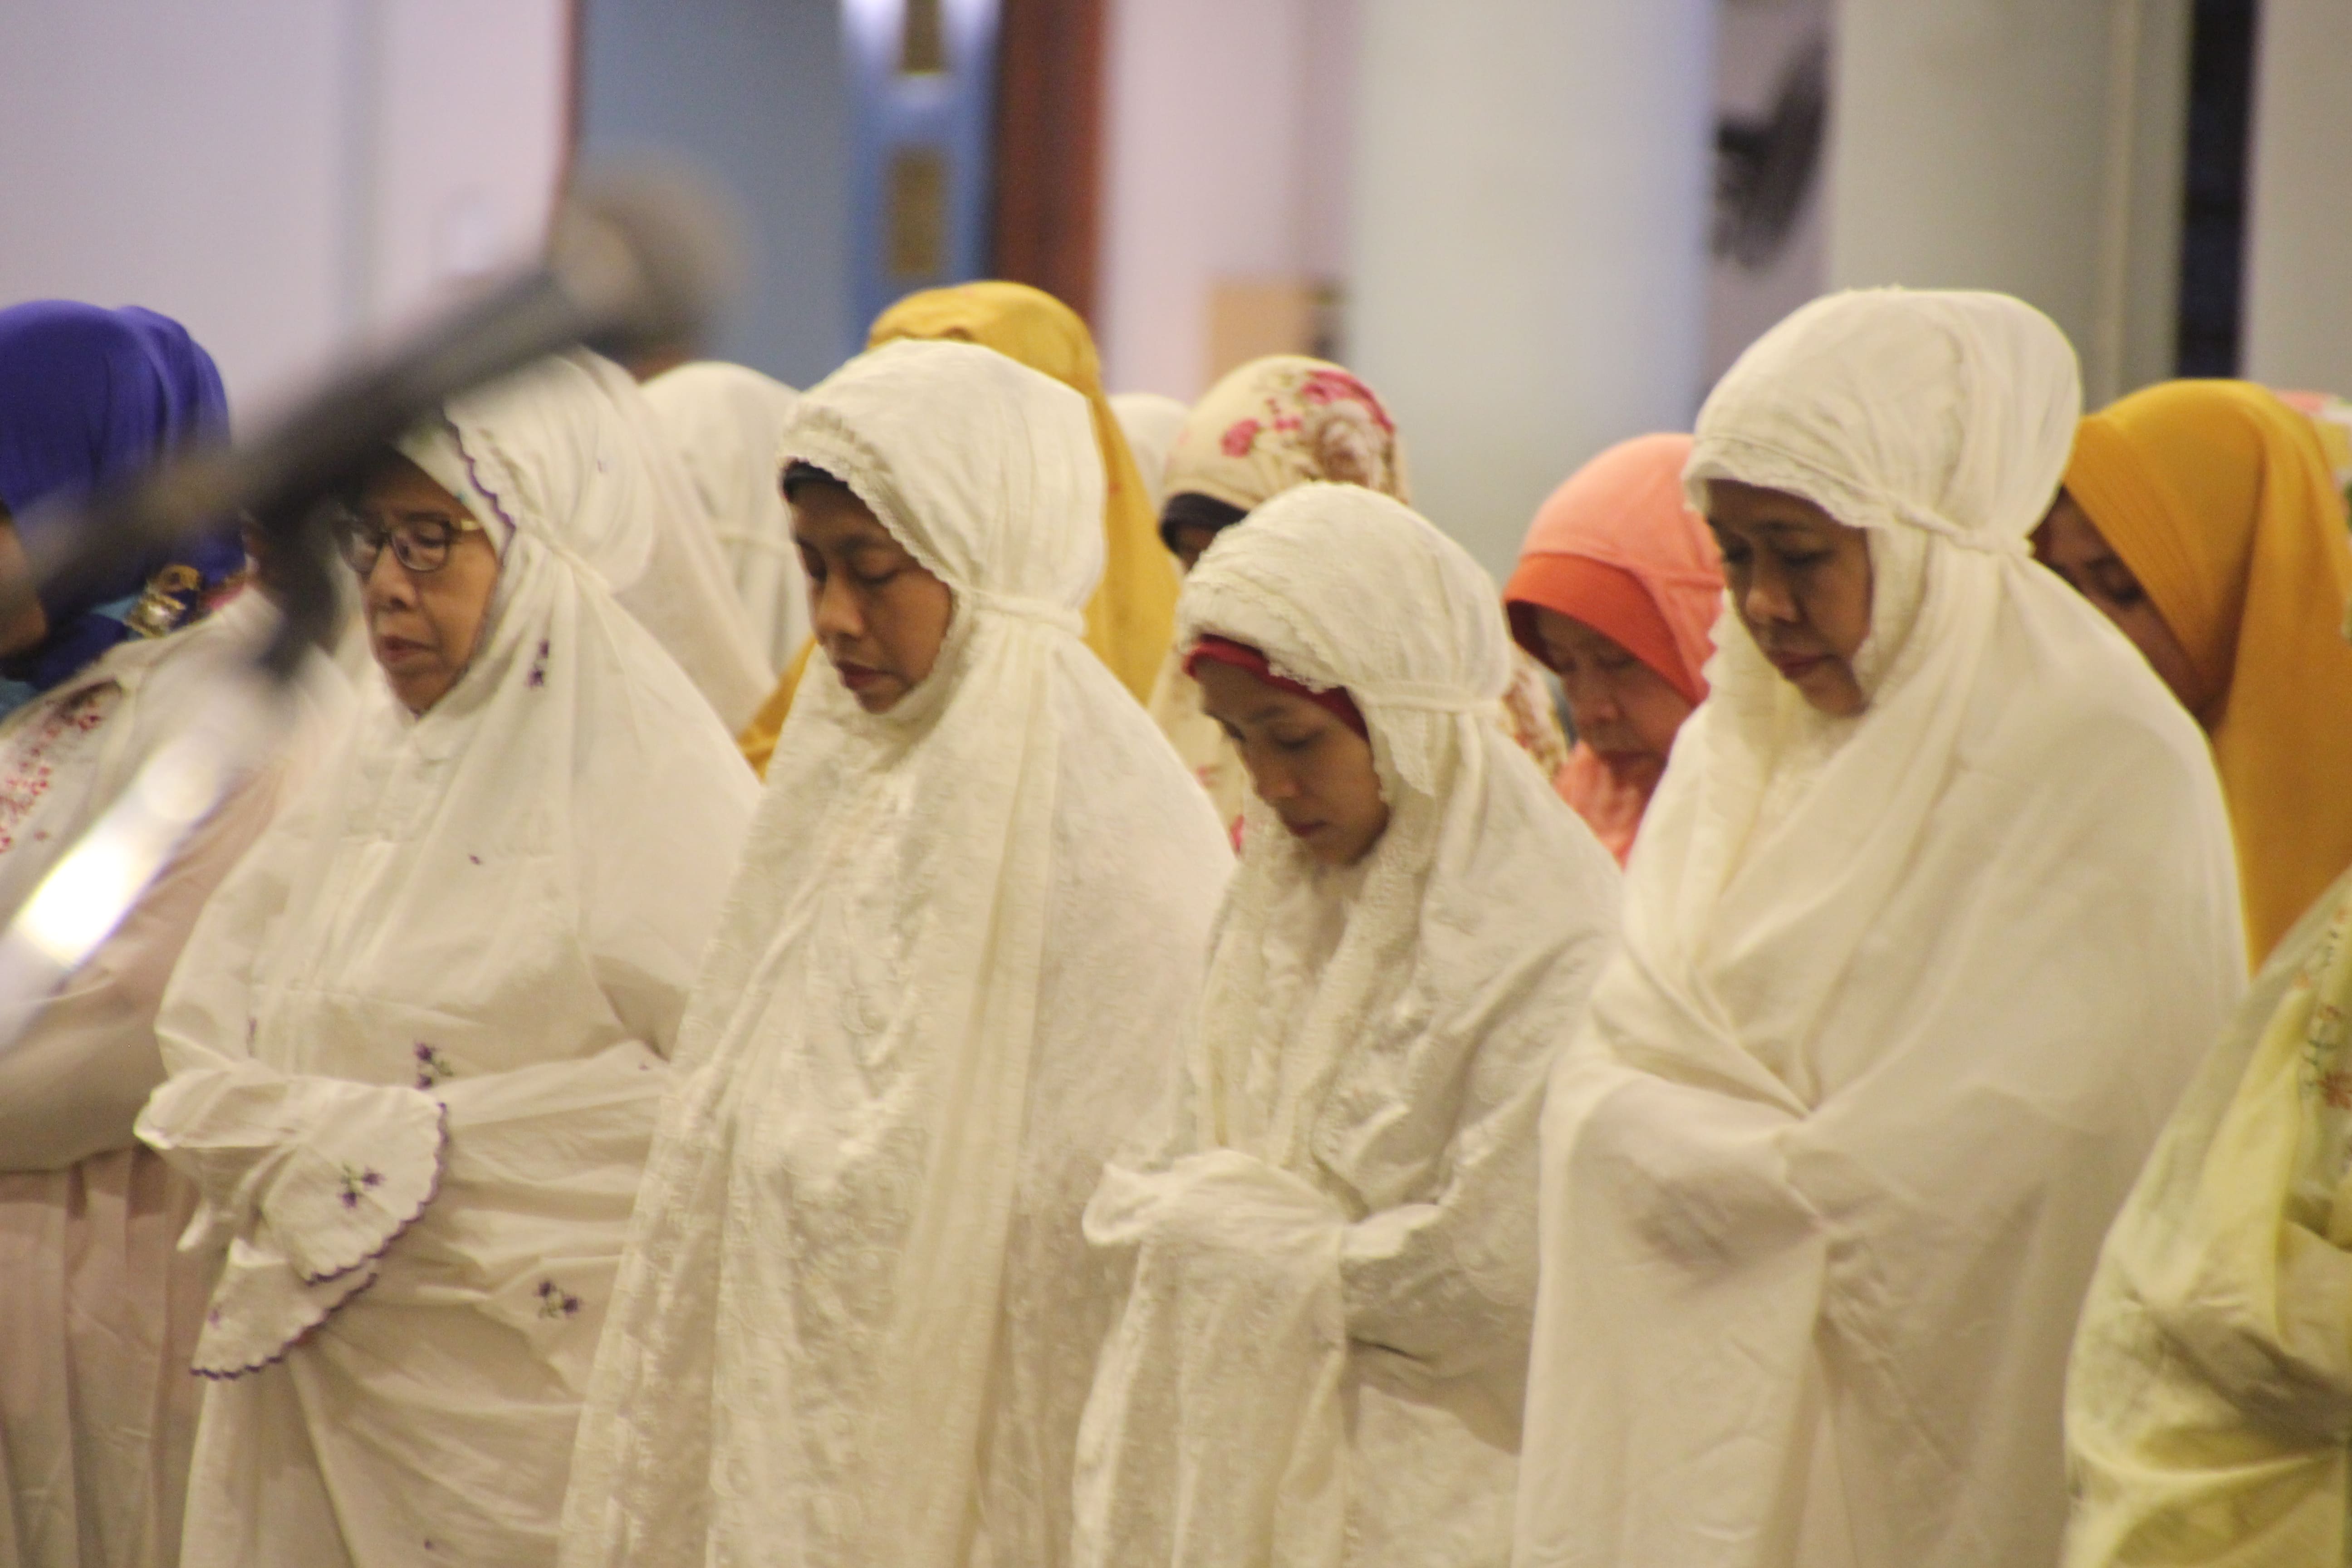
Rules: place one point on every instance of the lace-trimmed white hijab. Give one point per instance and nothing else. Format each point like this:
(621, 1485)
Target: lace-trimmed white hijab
(417, 1046)
(1904, 1000)
(857, 1318)
(1321, 1356)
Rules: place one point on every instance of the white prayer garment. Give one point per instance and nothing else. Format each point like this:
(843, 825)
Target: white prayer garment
(723, 421)
(98, 1311)
(1333, 1245)
(857, 1318)
(685, 594)
(417, 1044)
(1150, 421)
(1903, 999)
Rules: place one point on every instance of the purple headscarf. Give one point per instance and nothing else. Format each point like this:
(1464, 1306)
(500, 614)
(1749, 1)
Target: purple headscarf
(88, 397)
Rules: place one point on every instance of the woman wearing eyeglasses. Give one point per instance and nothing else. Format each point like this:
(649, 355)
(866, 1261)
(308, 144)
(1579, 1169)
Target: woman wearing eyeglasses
(418, 1039)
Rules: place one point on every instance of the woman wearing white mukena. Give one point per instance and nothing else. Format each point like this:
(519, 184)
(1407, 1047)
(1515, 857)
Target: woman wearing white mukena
(857, 1318)
(1333, 1242)
(1931, 919)
(418, 1040)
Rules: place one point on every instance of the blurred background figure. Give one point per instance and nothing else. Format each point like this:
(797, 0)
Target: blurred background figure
(724, 421)
(1150, 421)
(1616, 593)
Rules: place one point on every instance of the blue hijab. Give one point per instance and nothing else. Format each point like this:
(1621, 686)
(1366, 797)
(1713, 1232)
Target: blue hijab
(89, 396)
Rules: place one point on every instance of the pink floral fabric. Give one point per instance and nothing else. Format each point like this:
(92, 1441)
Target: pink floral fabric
(1283, 421)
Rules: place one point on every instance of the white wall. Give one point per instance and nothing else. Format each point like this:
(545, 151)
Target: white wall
(2298, 297)
(1225, 149)
(470, 103)
(1530, 261)
(281, 176)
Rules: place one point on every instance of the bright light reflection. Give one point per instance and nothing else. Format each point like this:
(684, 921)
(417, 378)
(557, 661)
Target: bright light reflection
(80, 902)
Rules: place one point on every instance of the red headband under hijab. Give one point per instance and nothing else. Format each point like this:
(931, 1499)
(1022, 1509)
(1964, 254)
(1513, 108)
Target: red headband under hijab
(1242, 657)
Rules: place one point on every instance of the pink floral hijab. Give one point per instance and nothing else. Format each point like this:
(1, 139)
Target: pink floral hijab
(1283, 421)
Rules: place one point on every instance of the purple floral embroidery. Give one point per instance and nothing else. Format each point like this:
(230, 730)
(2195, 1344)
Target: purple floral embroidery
(357, 1182)
(214, 1316)
(476, 860)
(432, 1066)
(539, 666)
(556, 1301)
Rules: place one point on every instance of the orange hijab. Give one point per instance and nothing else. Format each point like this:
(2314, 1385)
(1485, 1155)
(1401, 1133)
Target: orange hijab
(2219, 497)
(1619, 548)
(1132, 614)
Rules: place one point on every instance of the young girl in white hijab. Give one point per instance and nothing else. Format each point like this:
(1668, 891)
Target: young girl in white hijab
(1931, 919)
(857, 1318)
(418, 1040)
(1333, 1246)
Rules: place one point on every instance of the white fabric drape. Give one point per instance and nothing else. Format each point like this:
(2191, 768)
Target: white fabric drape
(99, 1313)
(682, 591)
(857, 1318)
(417, 1042)
(723, 421)
(1903, 1001)
(1150, 421)
(1321, 1357)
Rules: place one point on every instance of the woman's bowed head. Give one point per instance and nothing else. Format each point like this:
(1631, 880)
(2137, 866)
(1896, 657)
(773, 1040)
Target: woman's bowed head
(1800, 582)
(427, 571)
(880, 615)
(1308, 752)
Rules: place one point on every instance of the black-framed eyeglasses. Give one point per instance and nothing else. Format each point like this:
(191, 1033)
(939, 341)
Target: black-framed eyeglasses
(421, 544)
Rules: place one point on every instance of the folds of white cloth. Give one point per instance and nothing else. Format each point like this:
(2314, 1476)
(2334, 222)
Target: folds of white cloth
(463, 1328)
(1235, 1310)
(97, 1409)
(2209, 1399)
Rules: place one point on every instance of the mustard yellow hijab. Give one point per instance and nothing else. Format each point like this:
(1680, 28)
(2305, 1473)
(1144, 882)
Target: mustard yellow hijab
(1132, 615)
(2219, 497)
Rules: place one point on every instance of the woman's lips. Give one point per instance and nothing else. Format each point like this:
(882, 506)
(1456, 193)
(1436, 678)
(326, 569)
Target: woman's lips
(858, 677)
(1796, 667)
(1303, 829)
(393, 650)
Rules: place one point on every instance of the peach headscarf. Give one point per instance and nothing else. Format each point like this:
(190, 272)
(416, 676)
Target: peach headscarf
(2219, 497)
(1618, 548)
(1132, 613)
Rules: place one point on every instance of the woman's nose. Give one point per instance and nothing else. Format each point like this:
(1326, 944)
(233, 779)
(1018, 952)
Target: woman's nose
(1590, 700)
(833, 609)
(387, 585)
(1767, 599)
(1272, 781)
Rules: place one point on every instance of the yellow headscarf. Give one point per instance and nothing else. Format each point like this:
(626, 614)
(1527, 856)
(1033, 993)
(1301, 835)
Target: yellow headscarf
(1133, 612)
(2219, 497)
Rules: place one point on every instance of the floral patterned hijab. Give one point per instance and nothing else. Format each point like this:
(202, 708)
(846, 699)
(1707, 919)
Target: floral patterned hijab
(1284, 421)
